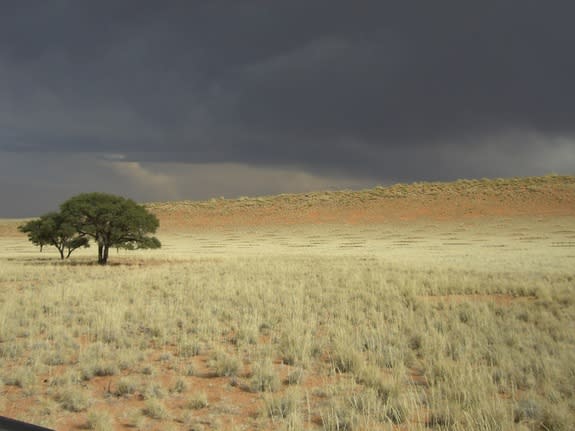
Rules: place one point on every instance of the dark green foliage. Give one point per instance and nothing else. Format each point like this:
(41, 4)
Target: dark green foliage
(55, 229)
(112, 221)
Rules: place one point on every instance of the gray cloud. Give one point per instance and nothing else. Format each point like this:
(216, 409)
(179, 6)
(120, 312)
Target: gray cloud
(373, 90)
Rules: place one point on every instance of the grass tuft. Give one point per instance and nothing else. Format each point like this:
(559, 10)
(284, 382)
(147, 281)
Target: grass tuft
(155, 409)
(100, 421)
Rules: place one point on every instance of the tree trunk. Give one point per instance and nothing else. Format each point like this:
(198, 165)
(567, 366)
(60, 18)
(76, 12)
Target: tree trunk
(61, 250)
(103, 250)
(101, 260)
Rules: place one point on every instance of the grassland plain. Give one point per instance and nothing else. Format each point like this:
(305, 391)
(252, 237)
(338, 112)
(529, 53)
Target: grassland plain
(425, 321)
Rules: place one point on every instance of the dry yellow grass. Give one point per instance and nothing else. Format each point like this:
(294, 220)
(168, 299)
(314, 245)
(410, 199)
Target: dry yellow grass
(463, 324)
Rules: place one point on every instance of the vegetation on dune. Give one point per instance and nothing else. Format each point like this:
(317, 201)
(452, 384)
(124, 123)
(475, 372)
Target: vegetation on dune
(549, 189)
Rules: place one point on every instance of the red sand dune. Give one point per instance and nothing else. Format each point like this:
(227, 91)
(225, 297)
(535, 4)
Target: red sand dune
(532, 196)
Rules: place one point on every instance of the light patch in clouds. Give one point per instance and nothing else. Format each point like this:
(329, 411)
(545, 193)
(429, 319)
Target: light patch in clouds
(313, 55)
(561, 157)
(113, 157)
(153, 184)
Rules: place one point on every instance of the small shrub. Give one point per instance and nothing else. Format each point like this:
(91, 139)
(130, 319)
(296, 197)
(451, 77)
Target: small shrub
(188, 370)
(541, 415)
(100, 421)
(264, 378)
(225, 364)
(155, 410)
(396, 412)
(69, 378)
(415, 342)
(338, 418)
(128, 359)
(367, 404)
(346, 360)
(295, 348)
(136, 419)
(10, 350)
(556, 418)
(370, 377)
(55, 358)
(73, 400)
(526, 409)
(390, 357)
(166, 357)
(281, 406)
(245, 336)
(440, 419)
(265, 328)
(437, 373)
(295, 377)
(148, 370)
(187, 350)
(198, 400)
(125, 386)
(99, 369)
(153, 391)
(180, 386)
(22, 377)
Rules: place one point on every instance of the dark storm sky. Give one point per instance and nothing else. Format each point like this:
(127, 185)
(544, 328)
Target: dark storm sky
(164, 100)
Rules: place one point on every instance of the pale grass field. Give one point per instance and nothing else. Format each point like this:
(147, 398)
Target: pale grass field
(442, 326)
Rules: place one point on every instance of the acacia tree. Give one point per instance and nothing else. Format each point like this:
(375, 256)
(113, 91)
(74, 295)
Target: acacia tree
(112, 221)
(54, 229)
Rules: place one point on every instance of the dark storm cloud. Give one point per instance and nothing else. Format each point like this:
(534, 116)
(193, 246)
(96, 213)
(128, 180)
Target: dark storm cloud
(409, 90)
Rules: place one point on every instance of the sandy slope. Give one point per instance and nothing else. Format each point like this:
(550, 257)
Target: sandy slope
(532, 196)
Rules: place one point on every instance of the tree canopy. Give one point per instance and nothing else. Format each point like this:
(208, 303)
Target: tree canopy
(57, 230)
(111, 221)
